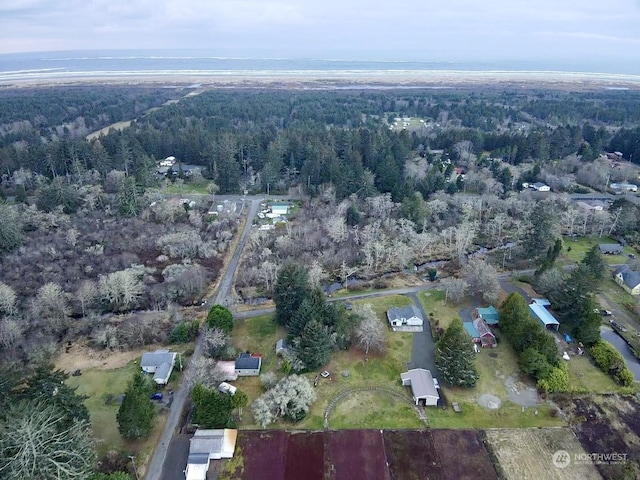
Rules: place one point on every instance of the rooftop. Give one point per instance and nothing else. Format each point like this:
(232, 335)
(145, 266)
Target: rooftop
(421, 382)
(542, 314)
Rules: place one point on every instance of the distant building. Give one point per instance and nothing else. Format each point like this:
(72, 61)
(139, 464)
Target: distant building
(624, 187)
(541, 187)
(282, 346)
(610, 248)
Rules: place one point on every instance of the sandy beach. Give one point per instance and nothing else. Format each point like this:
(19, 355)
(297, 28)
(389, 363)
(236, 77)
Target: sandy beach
(434, 79)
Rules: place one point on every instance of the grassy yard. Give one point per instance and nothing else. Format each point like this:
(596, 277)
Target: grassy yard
(380, 410)
(186, 188)
(509, 415)
(580, 245)
(586, 377)
(98, 385)
(433, 303)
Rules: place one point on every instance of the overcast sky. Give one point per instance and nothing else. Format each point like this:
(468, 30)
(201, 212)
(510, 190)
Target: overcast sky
(577, 31)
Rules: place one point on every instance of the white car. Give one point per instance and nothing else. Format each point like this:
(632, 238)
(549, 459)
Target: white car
(436, 383)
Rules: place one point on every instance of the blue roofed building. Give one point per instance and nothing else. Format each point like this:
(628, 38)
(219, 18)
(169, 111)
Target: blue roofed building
(489, 314)
(543, 315)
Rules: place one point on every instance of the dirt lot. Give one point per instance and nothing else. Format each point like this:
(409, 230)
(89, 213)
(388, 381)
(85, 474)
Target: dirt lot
(84, 358)
(412, 456)
(609, 424)
(463, 454)
(528, 454)
(355, 455)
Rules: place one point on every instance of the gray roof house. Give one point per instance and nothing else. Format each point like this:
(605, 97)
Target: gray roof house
(422, 386)
(405, 317)
(248, 365)
(610, 248)
(160, 363)
(628, 279)
(207, 445)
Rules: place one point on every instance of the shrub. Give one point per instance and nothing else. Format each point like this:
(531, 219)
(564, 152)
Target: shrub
(624, 377)
(184, 332)
(611, 362)
(556, 381)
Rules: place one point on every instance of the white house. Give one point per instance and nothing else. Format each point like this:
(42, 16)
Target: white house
(248, 365)
(207, 445)
(624, 187)
(168, 162)
(160, 363)
(278, 210)
(541, 187)
(422, 385)
(407, 316)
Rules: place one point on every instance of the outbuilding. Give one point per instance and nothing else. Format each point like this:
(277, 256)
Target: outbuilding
(422, 386)
(544, 316)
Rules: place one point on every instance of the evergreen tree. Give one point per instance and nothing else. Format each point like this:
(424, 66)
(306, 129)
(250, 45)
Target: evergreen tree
(455, 358)
(137, 412)
(540, 234)
(595, 265)
(212, 408)
(314, 346)
(221, 318)
(290, 290)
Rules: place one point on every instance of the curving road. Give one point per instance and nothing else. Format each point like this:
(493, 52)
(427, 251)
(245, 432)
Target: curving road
(169, 458)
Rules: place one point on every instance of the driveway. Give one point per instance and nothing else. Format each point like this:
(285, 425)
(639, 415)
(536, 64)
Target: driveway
(423, 350)
(618, 342)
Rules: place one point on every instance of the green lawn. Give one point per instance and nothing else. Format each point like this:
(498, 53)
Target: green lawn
(260, 334)
(435, 306)
(580, 245)
(374, 410)
(584, 376)
(186, 188)
(97, 385)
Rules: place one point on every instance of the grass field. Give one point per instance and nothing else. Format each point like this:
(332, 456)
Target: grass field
(97, 385)
(433, 303)
(260, 334)
(374, 410)
(584, 376)
(580, 245)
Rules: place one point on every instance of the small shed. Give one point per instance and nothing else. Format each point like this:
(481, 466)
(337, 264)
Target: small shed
(472, 331)
(422, 386)
(282, 346)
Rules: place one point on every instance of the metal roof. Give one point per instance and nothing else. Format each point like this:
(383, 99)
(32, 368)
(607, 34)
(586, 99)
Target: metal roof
(421, 383)
(246, 362)
(543, 315)
(395, 313)
(489, 315)
(471, 329)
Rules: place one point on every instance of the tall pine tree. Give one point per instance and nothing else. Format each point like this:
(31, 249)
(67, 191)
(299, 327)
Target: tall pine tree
(137, 412)
(314, 346)
(455, 358)
(292, 287)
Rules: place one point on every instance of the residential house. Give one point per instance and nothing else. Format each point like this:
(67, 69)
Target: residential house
(489, 314)
(486, 337)
(282, 346)
(422, 386)
(472, 331)
(539, 311)
(248, 365)
(627, 279)
(407, 316)
(610, 248)
(541, 187)
(278, 210)
(160, 363)
(207, 445)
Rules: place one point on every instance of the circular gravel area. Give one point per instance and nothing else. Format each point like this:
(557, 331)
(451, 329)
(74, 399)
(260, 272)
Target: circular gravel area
(489, 401)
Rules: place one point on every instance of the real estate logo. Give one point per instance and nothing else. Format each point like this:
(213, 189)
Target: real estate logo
(561, 459)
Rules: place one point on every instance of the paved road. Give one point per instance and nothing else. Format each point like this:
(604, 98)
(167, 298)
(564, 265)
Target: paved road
(170, 456)
(618, 342)
(423, 350)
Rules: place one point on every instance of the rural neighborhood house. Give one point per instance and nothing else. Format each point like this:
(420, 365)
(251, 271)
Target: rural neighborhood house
(160, 363)
(628, 279)
(248, 365)
(207, 445)
(402, 317)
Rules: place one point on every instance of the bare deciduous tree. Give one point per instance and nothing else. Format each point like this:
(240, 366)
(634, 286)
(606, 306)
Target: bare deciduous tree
(291, 397)
(123, 288)
(7, 299)
(370, 332)
(454, 289)
(482, 278)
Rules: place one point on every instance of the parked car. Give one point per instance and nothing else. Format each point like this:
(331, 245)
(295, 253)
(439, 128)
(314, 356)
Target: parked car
(606, 313)
(436, 383)
(156, 396)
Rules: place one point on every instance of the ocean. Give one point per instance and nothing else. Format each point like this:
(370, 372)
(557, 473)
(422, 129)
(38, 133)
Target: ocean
(146, 63)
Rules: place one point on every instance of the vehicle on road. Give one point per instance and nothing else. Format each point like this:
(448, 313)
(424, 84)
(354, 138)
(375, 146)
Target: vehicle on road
(156, 396)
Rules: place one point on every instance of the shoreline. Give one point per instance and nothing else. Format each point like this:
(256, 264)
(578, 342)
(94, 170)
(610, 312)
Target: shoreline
(432, 79)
